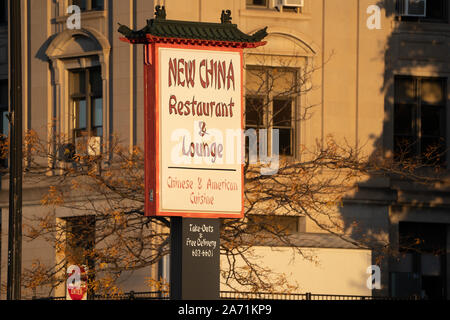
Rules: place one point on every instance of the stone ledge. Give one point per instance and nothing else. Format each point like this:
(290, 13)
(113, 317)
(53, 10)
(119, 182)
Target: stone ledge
(84, 16)
(273, 14)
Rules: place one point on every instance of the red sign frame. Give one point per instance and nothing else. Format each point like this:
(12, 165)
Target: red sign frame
(152, 126)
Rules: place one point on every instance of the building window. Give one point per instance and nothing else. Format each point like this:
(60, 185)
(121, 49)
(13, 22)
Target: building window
(80, 239)
(89, 5)
(420, 119)
(80, 243)
(288, 6)
(423, 10)
(422, 266)
(3, 12)
(282, 121)
(269, 104)
(257, 3)
(254, 118)
(164, 275)
(86, 102)
(276, 223)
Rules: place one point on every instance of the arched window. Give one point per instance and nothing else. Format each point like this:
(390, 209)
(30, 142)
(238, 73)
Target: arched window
(277, 81)
(80, 66)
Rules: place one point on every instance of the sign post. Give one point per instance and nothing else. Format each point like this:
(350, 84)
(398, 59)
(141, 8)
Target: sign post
(195, 259)
(194, 139)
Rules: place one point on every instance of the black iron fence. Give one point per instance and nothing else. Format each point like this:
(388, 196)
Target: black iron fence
(299, 296)
(233, 295)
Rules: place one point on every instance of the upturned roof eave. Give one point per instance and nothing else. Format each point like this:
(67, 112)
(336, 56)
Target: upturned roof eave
(177, 31)
(150, 39)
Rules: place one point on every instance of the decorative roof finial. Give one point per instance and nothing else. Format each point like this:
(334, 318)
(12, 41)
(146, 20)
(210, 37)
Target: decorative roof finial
(160, 13)
(226, 16)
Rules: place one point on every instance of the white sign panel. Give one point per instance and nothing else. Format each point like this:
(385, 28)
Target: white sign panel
(200, 131)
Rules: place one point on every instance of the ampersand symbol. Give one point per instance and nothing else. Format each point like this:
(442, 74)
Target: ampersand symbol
(202, 126)
(199, 183)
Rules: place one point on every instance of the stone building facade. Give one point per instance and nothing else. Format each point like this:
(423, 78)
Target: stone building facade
(381, 78)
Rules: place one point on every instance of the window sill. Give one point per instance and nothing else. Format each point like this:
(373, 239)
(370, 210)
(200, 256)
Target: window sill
(413, 19)
(421, 26)
(272, 14)
(85, 15)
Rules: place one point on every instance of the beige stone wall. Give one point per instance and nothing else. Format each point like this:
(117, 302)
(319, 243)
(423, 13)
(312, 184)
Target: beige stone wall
(353, 90)
(335, 271)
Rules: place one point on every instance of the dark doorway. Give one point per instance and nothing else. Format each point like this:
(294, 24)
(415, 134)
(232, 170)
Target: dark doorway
(426, 245)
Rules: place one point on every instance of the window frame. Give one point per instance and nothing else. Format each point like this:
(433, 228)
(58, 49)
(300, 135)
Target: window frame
(291, 224)
(269, 94)
(405, 18)
(4, 12)
(89, 96)
(81, 230)
(260, 6)
(281, 127)
(270, 5)
(417, 117)
(432, 240)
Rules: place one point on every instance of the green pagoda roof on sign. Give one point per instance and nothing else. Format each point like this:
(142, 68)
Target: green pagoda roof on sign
(174, 31)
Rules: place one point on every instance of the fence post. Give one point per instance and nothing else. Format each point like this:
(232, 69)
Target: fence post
(308, 296)
(131, 295)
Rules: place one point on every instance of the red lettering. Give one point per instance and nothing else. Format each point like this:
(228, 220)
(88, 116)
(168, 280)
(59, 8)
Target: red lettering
(206, 109)
(190, 73)
(224, 110)
(230, 75)
(218, 110)
(215, 73)
(172, 103)
(193, 104)
(180, 72)
(199, 109)
(202, 81)
(180, 107)
(214, 67)
(188, 110)
(221, 74)
(209, 72)
(231, 107)
(172, 71)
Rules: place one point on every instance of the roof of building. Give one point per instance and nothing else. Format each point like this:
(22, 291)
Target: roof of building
(321, 240)
(313, 240)
(161, 30)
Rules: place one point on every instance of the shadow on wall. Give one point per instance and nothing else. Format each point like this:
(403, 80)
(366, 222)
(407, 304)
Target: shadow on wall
(391, 212)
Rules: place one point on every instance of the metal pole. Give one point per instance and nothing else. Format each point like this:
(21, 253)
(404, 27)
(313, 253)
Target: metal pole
(13, 290)
(176, 257)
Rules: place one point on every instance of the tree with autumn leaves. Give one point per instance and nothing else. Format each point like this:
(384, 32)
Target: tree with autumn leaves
(94, 204)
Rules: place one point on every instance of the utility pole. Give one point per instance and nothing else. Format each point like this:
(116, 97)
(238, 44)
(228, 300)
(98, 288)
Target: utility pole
(13, 291)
